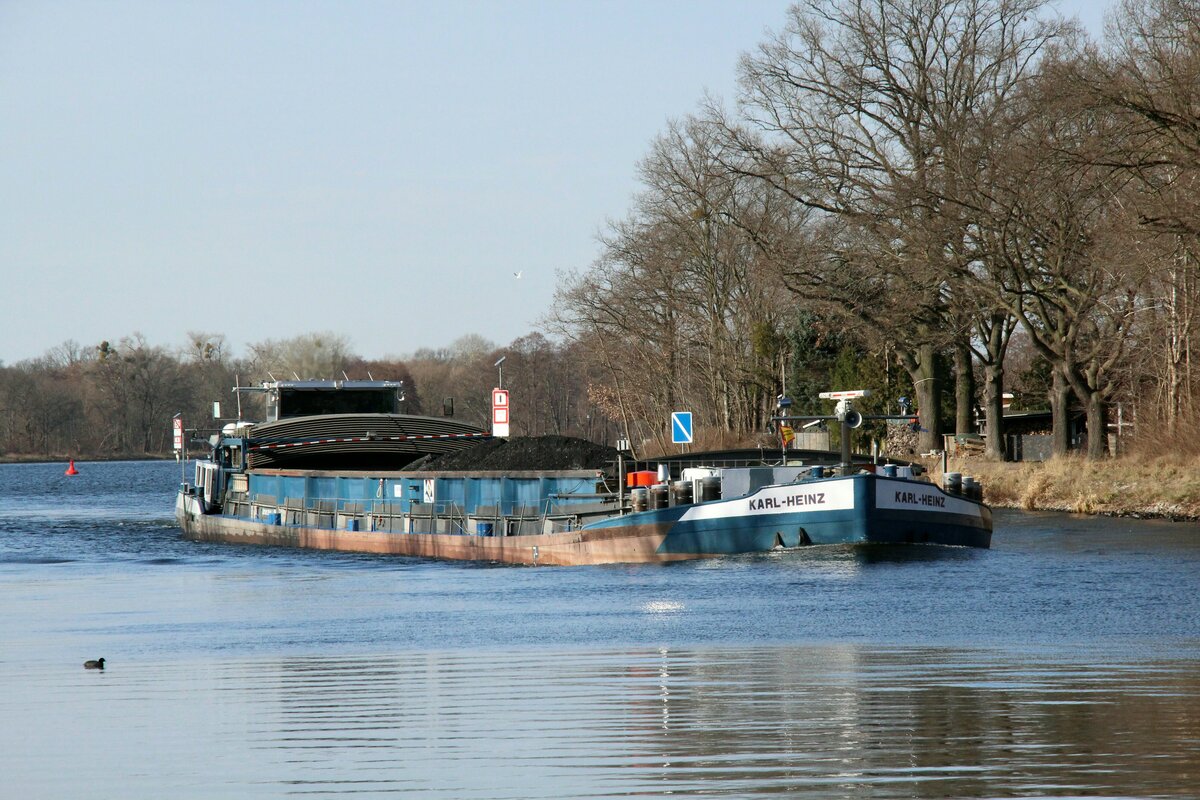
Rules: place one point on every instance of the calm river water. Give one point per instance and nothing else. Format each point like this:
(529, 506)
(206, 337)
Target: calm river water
(1063, 662)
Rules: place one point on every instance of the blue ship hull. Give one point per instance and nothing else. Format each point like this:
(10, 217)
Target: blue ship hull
(858, 509)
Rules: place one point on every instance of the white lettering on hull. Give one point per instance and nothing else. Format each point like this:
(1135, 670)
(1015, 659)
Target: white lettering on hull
(827, 496)
(912, 496)
(784, 503)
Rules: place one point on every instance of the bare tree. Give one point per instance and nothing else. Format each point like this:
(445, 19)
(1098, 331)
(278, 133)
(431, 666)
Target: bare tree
(1060, 250)
(1147, 84)
(677, 312)
(873, 112)
(462, 373)
(140, 388)
(309, 356)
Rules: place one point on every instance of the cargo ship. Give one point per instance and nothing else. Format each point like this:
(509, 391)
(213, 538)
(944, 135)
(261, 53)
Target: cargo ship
(331, 468)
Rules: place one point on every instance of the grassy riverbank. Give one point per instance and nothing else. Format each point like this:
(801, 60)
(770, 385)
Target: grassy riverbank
(1165, 486)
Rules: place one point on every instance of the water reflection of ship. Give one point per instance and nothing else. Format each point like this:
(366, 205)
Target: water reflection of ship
(897, 554)
(743, 713)
(938, 722)
(841, 718)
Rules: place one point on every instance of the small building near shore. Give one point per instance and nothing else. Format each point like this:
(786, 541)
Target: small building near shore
(1028, 434)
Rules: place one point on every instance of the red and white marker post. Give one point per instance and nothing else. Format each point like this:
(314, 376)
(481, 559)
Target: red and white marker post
(500, 417)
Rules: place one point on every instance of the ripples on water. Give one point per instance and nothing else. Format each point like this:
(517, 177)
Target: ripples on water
(1064, 662)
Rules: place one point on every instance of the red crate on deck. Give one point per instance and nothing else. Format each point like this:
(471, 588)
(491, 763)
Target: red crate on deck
(644, 477)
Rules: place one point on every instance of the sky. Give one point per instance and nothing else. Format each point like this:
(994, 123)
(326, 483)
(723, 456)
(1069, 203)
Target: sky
(381, 170)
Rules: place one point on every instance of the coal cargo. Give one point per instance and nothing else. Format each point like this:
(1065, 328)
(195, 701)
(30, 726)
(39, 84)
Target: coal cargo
(523, 453)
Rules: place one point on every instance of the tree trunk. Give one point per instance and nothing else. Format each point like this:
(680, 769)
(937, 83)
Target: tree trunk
(1095, 405)
(1060, 397)
(964, 388)
(994, 333)
(1097, 426)
(993, 410)
(922, 368)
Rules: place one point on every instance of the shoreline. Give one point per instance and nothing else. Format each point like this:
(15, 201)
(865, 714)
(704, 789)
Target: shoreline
(1129, 513)
(82, 459)
(1136, 487)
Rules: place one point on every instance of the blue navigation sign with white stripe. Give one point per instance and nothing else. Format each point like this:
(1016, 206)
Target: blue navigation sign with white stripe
(681, 427)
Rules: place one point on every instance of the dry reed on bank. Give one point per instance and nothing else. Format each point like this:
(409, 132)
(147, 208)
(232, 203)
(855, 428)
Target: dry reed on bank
(1163, 486)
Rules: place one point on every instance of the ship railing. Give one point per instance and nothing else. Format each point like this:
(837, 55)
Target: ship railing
(455, 517)
(384, 516)
(293, 511)
(262, 506)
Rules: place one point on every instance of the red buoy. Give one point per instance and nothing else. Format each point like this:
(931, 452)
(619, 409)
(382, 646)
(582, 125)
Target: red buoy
(71, 469)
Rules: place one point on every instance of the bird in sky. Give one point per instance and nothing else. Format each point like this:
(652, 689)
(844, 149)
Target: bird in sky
(517, 274)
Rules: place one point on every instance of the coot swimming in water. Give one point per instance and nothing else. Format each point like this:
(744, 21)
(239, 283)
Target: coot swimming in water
(97, 664)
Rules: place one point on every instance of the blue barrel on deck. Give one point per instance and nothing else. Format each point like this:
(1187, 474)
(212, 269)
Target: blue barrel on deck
(484, 528)
(272, 518)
